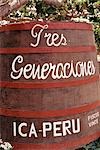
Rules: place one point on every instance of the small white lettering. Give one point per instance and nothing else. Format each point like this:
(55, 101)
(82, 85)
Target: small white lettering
(93, 119)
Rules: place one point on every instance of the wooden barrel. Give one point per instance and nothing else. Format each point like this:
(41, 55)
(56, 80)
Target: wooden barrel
(49, 85)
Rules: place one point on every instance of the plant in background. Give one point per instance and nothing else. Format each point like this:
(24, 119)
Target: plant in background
(5, 145)
(97, 34)
(39, 9)
(92, 146)
(94, 17)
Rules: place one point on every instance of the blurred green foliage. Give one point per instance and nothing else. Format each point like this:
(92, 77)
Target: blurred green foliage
(92, 146)
(94, 17)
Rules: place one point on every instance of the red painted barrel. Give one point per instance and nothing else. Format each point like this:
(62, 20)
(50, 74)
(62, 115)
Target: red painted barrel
(49, 85)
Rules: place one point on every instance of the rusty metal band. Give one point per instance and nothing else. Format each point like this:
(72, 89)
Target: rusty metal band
(49, 114)
(69, 49)
(43, 85)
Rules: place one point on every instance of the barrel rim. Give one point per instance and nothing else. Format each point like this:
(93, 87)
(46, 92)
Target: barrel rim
(52, 25)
